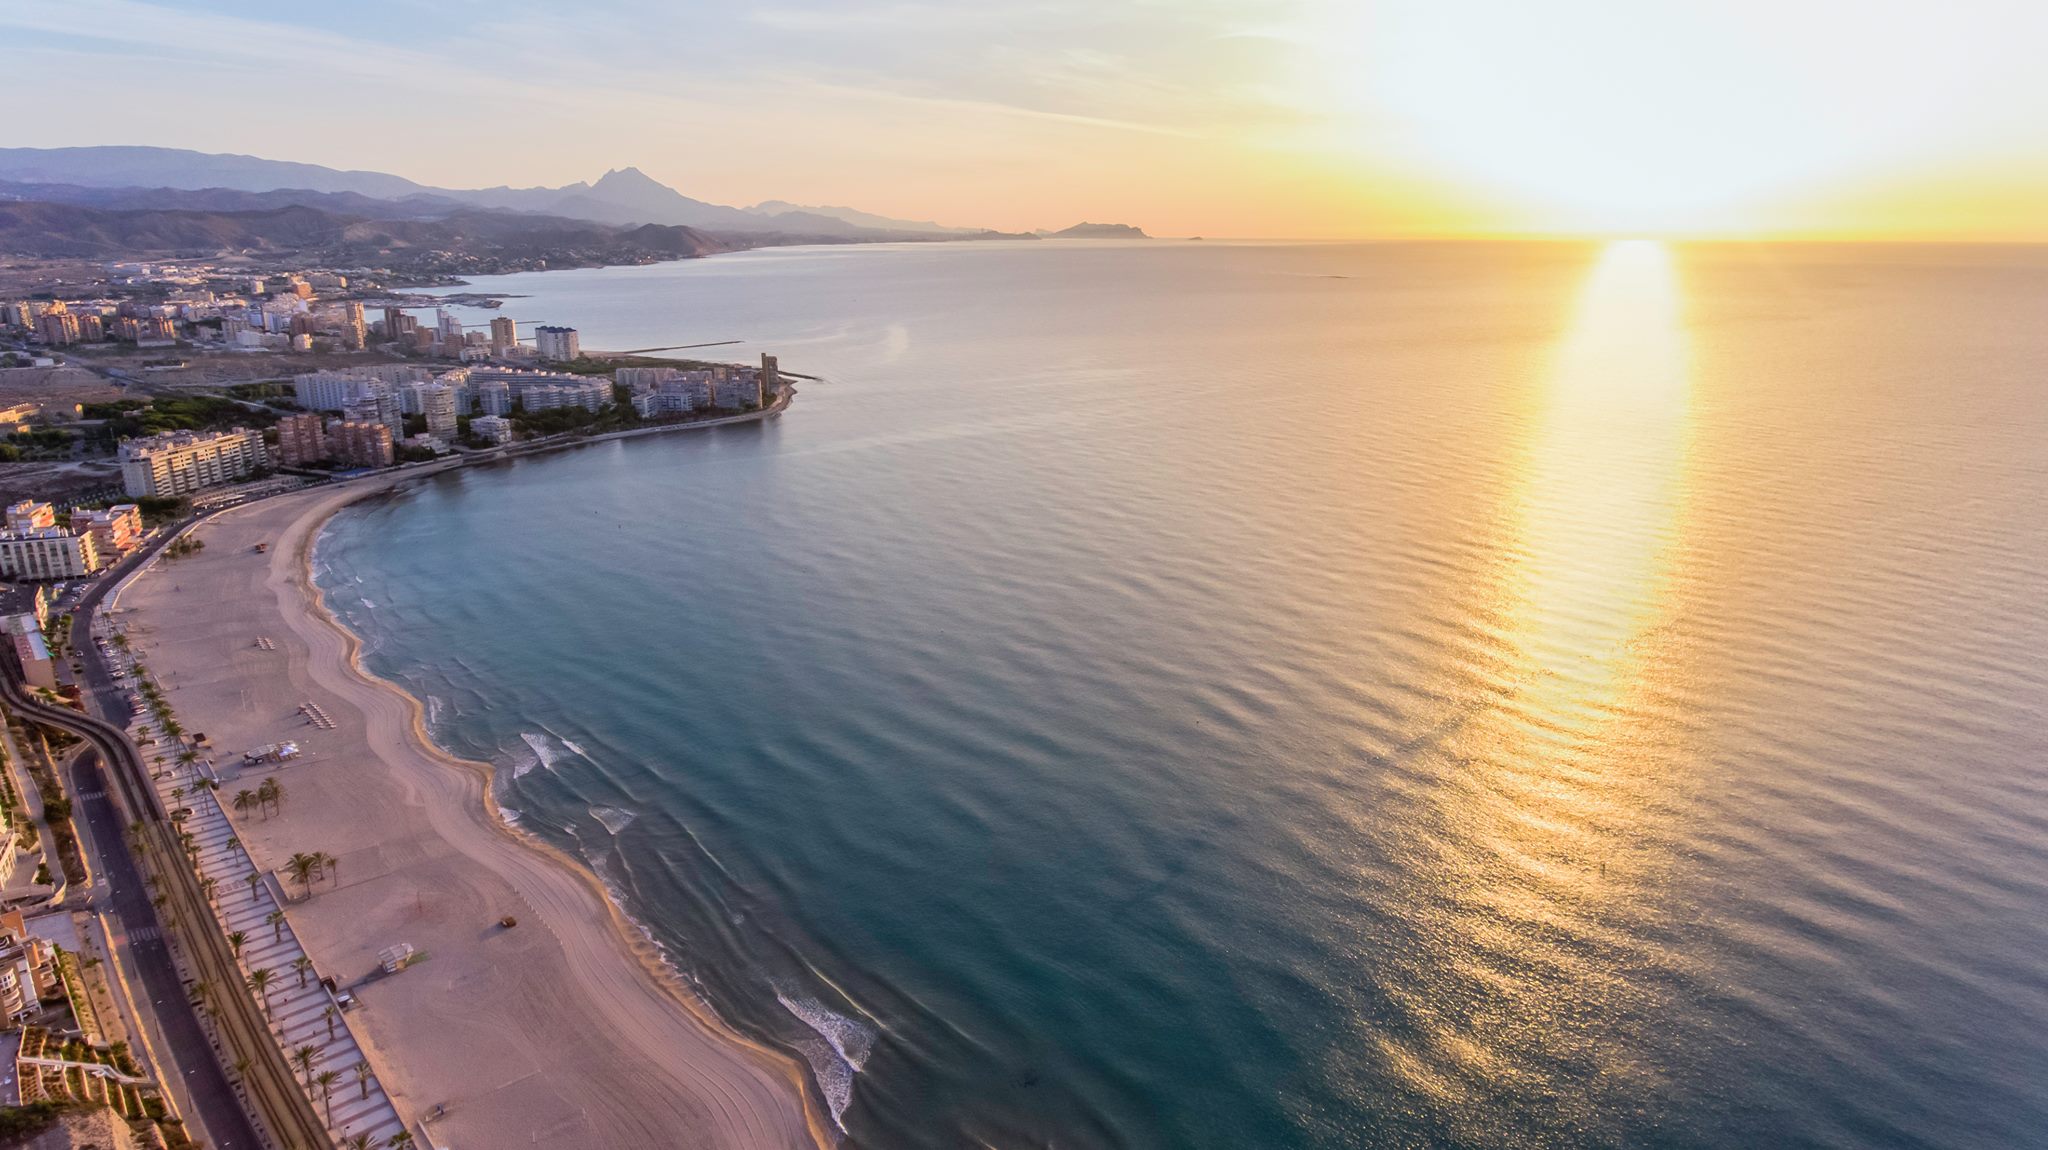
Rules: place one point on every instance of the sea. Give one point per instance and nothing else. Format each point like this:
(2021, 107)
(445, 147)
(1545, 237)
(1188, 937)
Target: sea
(1215, 696)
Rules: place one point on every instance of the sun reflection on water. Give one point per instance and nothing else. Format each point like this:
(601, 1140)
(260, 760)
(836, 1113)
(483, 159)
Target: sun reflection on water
(1547, 789)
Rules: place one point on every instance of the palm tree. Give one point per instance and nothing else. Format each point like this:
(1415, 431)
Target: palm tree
(206, 886)
(362, 1070)
(300, 966)
(329, 1015)
(276, 920)
(201, 992)
(400, 1141)
(237, 939)
(325, 1080)
(255, 879)
(301, 866)
(304, 1058)
(271, 794)
(259, 981)
(244, 799)
(177, 799)
(358, 1141)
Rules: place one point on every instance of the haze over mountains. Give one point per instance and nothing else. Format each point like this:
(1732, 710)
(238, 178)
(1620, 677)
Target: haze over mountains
(624, 196)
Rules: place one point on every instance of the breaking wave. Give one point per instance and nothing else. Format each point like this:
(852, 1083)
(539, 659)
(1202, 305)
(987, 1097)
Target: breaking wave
(615, 819)
(838, 1052)
(541, 750)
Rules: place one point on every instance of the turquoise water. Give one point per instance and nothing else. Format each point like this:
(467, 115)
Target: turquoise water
(1202, 695)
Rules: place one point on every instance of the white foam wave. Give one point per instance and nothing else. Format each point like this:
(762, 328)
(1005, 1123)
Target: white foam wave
(370, 605)
(574, 749)
(842, 1048)
(509, 816)
(434, 708)
(541, 749)
(615, 819)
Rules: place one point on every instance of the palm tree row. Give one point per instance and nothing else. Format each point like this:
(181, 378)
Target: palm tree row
(305, 867)
(266, 799)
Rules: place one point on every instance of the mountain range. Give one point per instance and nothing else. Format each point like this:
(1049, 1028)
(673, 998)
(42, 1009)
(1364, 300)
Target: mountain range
(131, 176)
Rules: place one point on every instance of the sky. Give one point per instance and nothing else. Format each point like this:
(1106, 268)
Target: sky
(1267, 118)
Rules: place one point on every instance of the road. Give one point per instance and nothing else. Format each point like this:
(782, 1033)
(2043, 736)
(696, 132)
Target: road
(176, 1036)
(117, 767)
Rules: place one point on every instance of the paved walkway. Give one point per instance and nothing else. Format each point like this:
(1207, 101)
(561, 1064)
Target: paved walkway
(299, 1005)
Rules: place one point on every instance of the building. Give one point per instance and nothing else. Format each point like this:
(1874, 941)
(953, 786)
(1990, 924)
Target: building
(398, 326)
(58, 327)
(361, 443)
(557, 343)
(437, 403)
(115, 530)
(335, 390)
(91, 328)
(28, 515)
(47, 553)
(504, 334)
(181, 462)
(491, 428)
(301, 439)
(736, 388)
(355, 334)
(494, 397)
(32, 652)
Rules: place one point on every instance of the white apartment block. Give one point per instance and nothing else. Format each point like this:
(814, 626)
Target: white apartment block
(496, 429)
(182, 462)
(335, 390)
(47, 553)
(558, 343)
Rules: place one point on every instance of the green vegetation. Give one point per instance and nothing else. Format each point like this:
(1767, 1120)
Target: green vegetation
(184, 545)
(136, 417)
(267, 390)
(24, 1122)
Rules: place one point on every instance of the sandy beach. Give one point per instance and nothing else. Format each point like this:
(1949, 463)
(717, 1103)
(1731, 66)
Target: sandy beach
(562, 1031)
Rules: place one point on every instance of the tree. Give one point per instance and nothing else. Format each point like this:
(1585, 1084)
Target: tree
(207, 886)
(362, 1070)
(304, 1058)
(357, 1141)
(255, 880)
(400, 1141)
(302, 866)
(328, 1016)
(326, 1080)
(201, 992)
(259, 981)
(244, 799)
(329, 863)
(276, 920)
(237, 939)
(300, 966)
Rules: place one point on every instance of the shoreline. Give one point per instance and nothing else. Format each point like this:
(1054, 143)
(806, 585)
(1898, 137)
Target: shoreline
(335, 650)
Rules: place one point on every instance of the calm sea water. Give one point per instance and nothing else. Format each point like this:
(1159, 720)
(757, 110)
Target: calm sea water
(1201, 695)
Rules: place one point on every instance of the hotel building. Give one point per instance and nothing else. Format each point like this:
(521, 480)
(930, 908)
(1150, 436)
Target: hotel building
(181, 462)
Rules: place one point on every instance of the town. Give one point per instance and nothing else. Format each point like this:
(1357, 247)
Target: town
(136, 407)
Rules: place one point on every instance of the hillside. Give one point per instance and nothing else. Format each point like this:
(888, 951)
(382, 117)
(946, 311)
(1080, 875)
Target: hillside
(468, 240)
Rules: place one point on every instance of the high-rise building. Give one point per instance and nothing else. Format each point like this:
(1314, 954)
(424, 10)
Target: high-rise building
(182, 462)
(58, 327)
(504, 334)
(398, 326)
(354, 335)
(437, 403)
(91, 329)
(361, 444)
(557, 343)
(301, 439)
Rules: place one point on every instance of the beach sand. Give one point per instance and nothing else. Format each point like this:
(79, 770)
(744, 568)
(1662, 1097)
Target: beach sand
(562, 1031)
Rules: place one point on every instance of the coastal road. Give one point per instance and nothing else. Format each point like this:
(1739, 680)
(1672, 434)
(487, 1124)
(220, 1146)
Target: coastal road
(178, 1040)
(214, 1102)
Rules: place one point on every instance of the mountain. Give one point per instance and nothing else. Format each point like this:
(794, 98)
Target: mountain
(777, 208)
(1087, 231)
(621, 196)
(468, 240)
(420, 206)
(121, 167)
